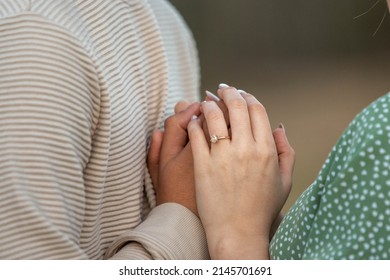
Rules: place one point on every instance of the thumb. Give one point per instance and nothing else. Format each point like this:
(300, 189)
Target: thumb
(154, 155)
(175, 135)
(286, 156)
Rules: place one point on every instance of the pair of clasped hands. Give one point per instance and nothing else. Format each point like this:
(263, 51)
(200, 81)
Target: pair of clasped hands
(237, 185)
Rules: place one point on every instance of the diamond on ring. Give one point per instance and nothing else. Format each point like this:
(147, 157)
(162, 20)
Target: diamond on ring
(214, 138)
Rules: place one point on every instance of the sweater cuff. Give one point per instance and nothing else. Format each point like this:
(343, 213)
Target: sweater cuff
(170, 231)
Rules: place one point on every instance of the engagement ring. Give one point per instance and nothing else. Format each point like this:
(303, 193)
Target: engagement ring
(214, 138)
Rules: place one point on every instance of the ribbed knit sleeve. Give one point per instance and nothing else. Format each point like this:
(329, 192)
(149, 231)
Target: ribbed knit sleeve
(181, 237)
(49, 107)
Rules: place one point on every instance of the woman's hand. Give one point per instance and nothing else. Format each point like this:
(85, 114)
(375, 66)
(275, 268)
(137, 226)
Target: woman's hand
(240, 182)
(170, 159)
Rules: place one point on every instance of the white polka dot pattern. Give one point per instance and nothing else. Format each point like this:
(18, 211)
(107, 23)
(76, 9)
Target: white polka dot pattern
(345, 213)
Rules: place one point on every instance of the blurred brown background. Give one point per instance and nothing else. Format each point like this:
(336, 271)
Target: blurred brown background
(309, 62)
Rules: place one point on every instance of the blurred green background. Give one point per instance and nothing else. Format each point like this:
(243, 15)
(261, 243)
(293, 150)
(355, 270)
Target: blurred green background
(311, 63)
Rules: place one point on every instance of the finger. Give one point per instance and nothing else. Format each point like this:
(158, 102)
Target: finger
(203, 124)
(212, 97)
(260, 124)
(181, 106)
(238, 114)
(175, 135)
(154, 155)
(286, 156)
(199, 144)
(215, 120)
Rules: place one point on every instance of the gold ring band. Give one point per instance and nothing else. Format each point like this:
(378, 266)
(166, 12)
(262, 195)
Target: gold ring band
(214, 138)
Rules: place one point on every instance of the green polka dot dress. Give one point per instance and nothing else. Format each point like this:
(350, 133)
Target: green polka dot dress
(345, 213)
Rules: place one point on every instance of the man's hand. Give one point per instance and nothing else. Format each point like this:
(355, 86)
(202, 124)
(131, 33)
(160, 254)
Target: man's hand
(170, 159)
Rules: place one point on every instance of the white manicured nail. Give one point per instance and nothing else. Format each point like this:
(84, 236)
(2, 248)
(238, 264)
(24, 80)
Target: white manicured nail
(222, 85)
(212, 96)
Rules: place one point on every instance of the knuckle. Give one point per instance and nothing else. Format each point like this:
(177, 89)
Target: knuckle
(257, 107)
(214, 116)
(288, 150)
(292, 152)
(266, 154)
(238, 104)
(180, 106)
(170, 121)
(246, 151)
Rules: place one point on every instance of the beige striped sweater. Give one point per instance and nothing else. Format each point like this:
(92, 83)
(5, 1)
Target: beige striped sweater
(83, 83)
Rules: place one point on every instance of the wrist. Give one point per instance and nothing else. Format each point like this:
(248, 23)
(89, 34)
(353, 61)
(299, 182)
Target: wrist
(239, 247)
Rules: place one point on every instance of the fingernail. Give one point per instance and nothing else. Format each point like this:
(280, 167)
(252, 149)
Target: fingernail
(222, 85)
(212, 96)
(242, 92)
(194, 117)
(281, 126)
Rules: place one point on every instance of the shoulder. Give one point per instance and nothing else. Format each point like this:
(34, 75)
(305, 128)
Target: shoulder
(41, 61)
(374, 119)
(342, 214)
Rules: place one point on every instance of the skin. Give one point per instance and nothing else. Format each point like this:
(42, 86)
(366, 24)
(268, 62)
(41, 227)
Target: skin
(222, 172)
(242, 183)
(170, 159)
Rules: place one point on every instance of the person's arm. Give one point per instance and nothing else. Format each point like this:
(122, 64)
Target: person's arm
(171, 231)
(49, 110)
(240, 186)
(48, 95)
